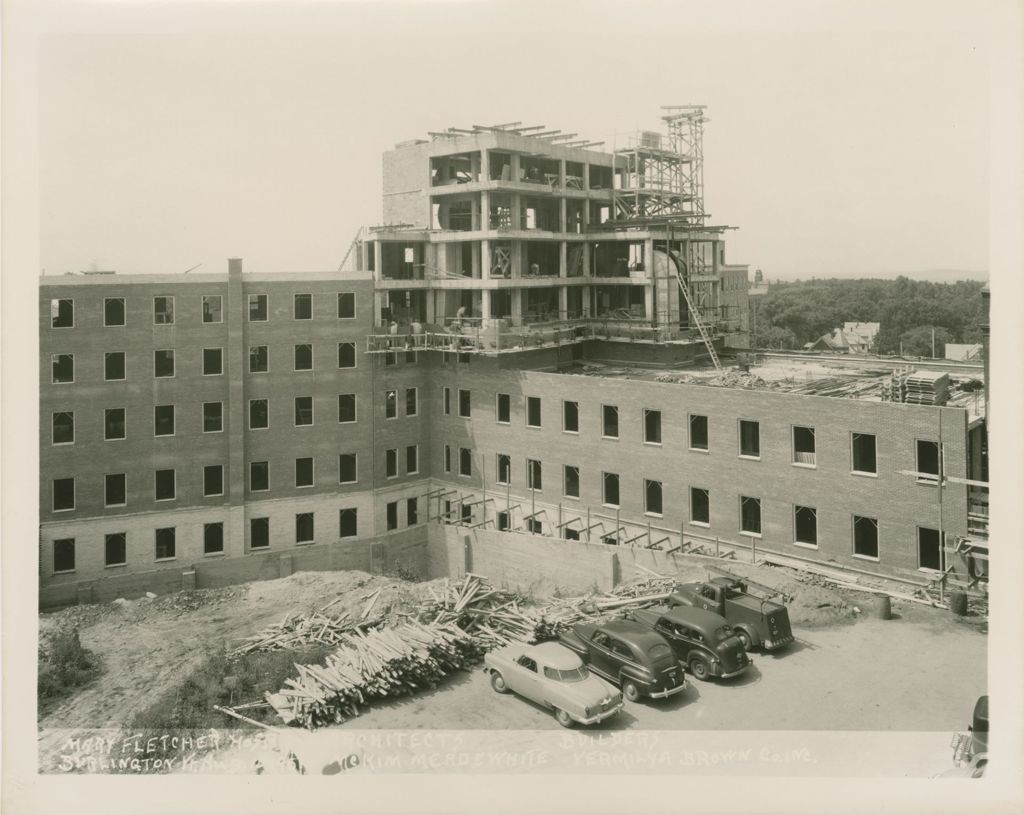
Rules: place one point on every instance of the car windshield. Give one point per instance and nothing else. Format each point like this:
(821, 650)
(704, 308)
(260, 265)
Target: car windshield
(570, 675)
(723, 633)
(659, 651)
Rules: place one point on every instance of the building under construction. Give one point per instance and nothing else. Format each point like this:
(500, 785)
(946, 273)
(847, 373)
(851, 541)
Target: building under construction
(537, 346)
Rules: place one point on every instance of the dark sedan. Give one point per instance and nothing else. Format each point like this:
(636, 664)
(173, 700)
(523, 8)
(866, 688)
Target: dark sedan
(702, 640)
(629, 655)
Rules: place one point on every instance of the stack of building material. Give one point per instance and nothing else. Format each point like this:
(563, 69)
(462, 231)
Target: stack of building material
(493, 616)
(300, 630)
(385, 663)
(927, 388)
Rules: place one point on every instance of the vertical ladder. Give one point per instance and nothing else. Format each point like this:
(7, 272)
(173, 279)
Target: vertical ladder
(694, 314)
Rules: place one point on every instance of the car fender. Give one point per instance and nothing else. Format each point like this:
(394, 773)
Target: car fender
(678, 598)
(572, 641)
(755, 637)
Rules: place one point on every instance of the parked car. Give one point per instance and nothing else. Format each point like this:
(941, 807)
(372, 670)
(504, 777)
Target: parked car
(970, 749)
(629, 655)
(759, 621)
(702, 640)
(555, 677)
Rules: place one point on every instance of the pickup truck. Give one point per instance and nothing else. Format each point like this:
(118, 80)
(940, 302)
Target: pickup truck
(759, 622)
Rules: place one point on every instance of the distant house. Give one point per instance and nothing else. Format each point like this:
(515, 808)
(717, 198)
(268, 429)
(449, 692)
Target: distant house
(963, 351)
(852, 338)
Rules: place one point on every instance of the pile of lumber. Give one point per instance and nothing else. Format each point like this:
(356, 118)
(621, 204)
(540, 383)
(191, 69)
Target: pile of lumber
(492, 616)
(927, 388)
(300, 630)
(383, 663)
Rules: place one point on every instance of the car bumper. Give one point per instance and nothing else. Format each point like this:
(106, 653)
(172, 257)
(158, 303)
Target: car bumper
(737, 672)
(599, 717)
(662, 694)
(771, 645)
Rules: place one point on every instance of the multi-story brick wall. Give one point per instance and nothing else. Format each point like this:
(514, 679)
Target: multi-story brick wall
(897, 502)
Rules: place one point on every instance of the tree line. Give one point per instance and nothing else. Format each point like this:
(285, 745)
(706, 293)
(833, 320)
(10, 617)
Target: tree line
(791, 314)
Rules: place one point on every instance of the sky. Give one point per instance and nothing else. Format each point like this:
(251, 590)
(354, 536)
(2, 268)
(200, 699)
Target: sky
(837, 147)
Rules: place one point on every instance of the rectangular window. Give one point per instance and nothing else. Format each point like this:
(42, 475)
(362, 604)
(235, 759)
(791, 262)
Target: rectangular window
(700, 506)
(504, 408)
(865, 537)
(390, 404)
(259, 359)
(863, 447)
(390, 358)
(303, 307)
(63, 555)
(410, 357)
(115, 549)
(465, 461)
(412, 459)
(446, 400)
(63, 427)
(259, 414)
(391, 463)
(113, 424)
(303, 411)
(304, 472)
(412, 511)
(164, 485)
(570, 534)
(652, 426)
(534, 475)
(504, 469)
(466, 511)
(346, 305)
(610, 489)
(805, 526)
(113, 311)
(257, 308)
(534, 526)
(411, 402)
(928, 461)
(609, 421)
(803, 446)
(113, 366)
(213, 538)
(750, 439)
(213, 311)
(347, 470)
(465, 404)
(929, 549)
(571, 481)
(447, 458)
(346, 355)
(213, 361)
(115, 490)
(571, 417)
(533, 411)
(63, 494)
(259, 533)
(304, 357)
(259, 476)
(750, 515)
(391, 511)
(163, 420)
(62, 313)
(346, 407)
(165, 543)
(304, 527)
(652, 497)
(698, 432)
(163, 311)
(502, 522)
(213, 480)
(348, 523)
(63, 368)
(163, 363)
(213, 417)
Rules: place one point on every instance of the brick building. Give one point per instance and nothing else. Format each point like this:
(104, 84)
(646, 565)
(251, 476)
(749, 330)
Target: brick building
(203, 429)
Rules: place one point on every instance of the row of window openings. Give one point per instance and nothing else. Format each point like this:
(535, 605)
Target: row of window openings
(116, 543)
(164, 416)
(62, 310)
(115, 367)
(165, 481)
(863, 445)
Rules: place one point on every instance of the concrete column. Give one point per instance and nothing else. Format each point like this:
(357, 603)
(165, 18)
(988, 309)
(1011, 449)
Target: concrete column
(649, 302)
(587, 297)
(514, 167)
(485, 303)
(429, 303)
(586, 258)
(474, 258)
(378, 303)
(517, 211)
(516, 297)
(563, 303)
(485, 164)
(563, 259)
(485, 210)
(475, 215)
(516, 259)
(237, 355)
(378, 266)
(586, 180)
(485, 259)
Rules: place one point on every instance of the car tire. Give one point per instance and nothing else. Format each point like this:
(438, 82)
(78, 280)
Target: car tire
(563, 718)
(498, 682)
(699, 669)
(744, 638)
(630, 690)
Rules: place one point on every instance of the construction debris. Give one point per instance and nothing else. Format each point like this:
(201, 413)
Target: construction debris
(301, 630)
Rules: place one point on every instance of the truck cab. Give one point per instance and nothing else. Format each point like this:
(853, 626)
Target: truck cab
(759, 621)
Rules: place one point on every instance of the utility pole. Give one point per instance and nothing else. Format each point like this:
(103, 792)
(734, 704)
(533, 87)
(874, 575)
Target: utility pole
(933, 342)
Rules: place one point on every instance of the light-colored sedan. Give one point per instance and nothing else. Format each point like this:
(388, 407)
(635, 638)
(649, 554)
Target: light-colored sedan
(553, 676)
